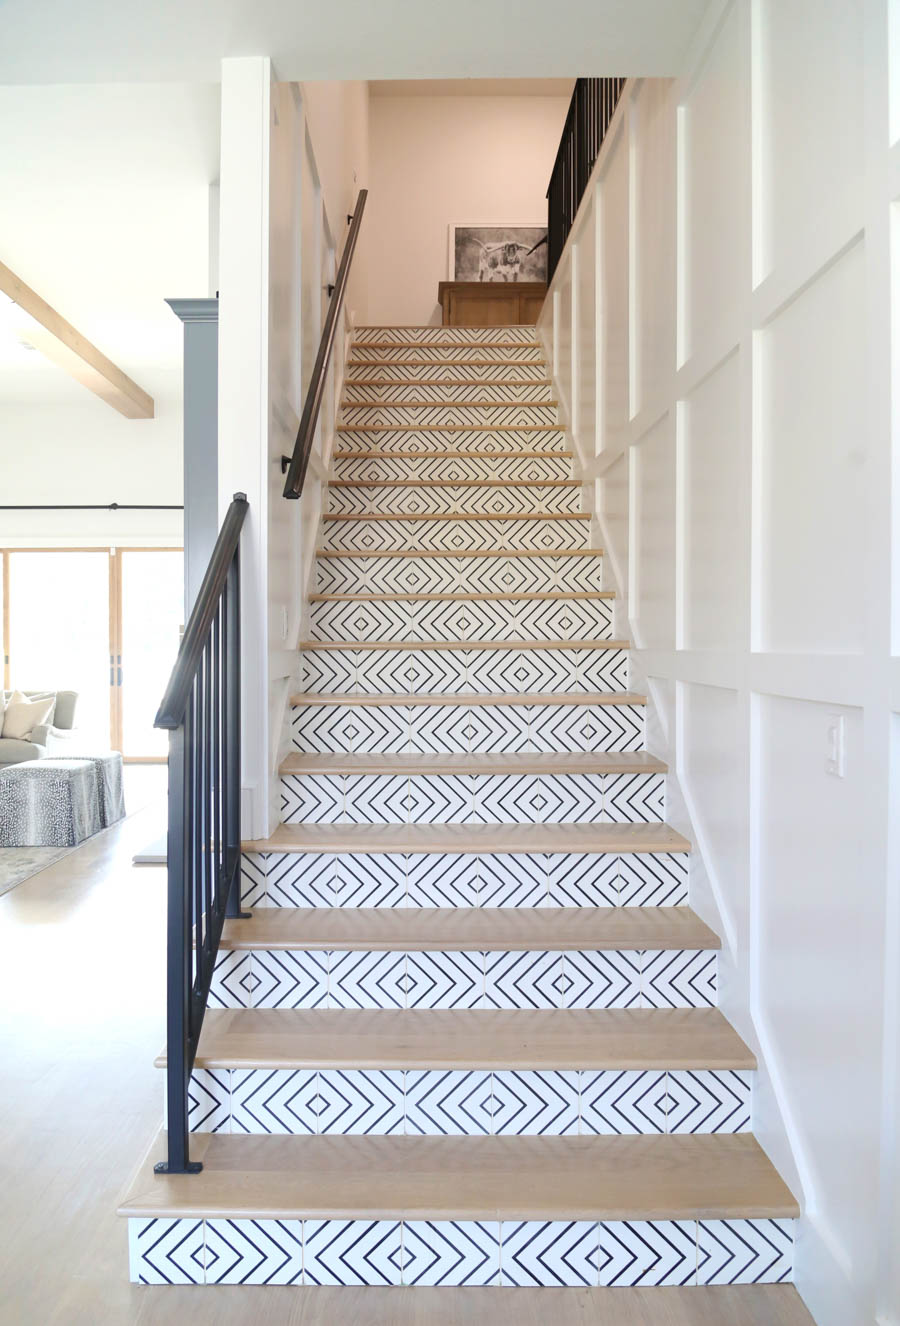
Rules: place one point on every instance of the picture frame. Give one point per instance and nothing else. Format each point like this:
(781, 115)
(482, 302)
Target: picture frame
(505, 251)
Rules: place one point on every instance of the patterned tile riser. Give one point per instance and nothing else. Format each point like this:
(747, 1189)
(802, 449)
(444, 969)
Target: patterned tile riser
(436, 879)
(459, 575)
(467, 371)
(512, 334)
(435, 354)
(630, 798)
(362, 978)
(478, 621)
(511, 415)
(468, 1102)
(440, 393)
(407, 534)
(417, 500)
(366, 671)
(422, 1252)
(454, 469)
(462, 729)
(507, 441)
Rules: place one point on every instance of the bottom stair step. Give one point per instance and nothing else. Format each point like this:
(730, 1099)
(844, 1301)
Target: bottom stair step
(539, 1211)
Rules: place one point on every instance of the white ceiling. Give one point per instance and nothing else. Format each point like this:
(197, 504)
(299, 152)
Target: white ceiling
(471, 87)
(105, 214)
(57, 41)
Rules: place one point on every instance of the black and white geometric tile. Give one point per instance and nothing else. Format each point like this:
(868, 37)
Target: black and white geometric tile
(475, 532)
(442, 391)
(505, 336)
(450, 415)
(543, 1254)
(471, 1102)
(424, 618)
(452, 469)
(427, 498)
(432, 352)
(434, 439)
(458, 573)
(608, 978)
(448, 370)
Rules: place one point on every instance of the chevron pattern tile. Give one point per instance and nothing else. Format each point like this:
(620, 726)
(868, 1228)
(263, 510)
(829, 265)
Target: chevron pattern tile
(460, 468)
(478, 532)
(502, 441)
(448, 370)
(443, 392)
(367, 978)
(440, 498)
(535, 1253)
(450, 415)
(444, 335)
(431, 352)
(455, 573)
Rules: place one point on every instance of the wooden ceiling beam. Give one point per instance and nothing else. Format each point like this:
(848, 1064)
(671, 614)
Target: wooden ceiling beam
(64, 345)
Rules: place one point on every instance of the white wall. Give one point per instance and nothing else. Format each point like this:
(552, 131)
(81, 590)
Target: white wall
(723, 349)
(276, 254)
(105, 214)
(437, 160)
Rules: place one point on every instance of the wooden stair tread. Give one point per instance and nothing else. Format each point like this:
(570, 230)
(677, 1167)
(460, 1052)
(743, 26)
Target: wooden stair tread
(719, 1305)
(555, 762)
(463, 644)
(581, 596)
(620, 1039)
(470, 929)
(679, 1177)
(469, 699)
(478, 838)
(452, 552)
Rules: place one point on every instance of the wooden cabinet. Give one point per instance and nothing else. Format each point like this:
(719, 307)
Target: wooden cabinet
(490, 303)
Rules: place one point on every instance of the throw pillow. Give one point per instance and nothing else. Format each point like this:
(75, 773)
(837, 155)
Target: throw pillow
(22, 716)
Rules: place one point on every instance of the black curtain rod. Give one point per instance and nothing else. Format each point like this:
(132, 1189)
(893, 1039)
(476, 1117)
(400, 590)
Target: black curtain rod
(109, 506)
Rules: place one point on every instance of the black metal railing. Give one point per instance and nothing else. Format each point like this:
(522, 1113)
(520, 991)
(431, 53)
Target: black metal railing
(299, 460)
(202, 711)
(592, 107)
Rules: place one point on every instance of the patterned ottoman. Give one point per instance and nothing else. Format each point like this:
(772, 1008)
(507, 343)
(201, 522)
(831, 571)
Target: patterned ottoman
(49, 803)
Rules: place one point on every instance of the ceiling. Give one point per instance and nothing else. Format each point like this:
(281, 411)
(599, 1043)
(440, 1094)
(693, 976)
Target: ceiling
(106, 213)
(97, 41)
(471, 87)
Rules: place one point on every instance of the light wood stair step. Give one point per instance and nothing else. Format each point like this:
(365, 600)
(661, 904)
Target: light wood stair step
(481, 839)
(471, 929)
(468, 700)
(578, 762)
(619, 1039)
(680, 1177)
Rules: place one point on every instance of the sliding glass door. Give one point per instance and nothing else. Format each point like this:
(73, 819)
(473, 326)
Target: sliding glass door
(102, 622)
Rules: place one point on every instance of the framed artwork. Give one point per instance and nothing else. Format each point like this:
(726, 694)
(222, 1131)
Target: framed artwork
(512, 252)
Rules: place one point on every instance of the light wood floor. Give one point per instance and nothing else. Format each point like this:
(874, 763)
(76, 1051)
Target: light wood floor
(81, 988)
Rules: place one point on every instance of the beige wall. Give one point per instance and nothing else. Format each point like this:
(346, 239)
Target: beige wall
(434, 160)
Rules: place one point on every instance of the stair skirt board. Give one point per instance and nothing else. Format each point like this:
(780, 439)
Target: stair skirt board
(502, 441)
(540, 1253)
(456, 619)
(468, 1102)
(547, 573)
(419, 500)
(323, 879)
(398, 671)
(465, 729)
(366, 978)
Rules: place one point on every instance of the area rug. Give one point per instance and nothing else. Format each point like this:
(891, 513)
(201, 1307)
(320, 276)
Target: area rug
(20, 863)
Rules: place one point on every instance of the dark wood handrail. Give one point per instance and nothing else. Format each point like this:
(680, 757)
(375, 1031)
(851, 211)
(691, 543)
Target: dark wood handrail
(293, 486)
(196, 632)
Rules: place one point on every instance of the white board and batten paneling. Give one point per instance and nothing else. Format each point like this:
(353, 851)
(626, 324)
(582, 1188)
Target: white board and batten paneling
(721, 328)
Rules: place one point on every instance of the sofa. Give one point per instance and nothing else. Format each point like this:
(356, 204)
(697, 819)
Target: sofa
(50, 737)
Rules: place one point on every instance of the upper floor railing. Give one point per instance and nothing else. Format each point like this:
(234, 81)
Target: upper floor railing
(306, 433)
(202, 711)
(592, 107)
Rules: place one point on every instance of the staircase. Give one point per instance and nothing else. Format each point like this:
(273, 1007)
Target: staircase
(469, 1036)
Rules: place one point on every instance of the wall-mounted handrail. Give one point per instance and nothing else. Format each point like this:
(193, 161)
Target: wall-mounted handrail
(202, 711)
(591, 109)
(293, 486)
